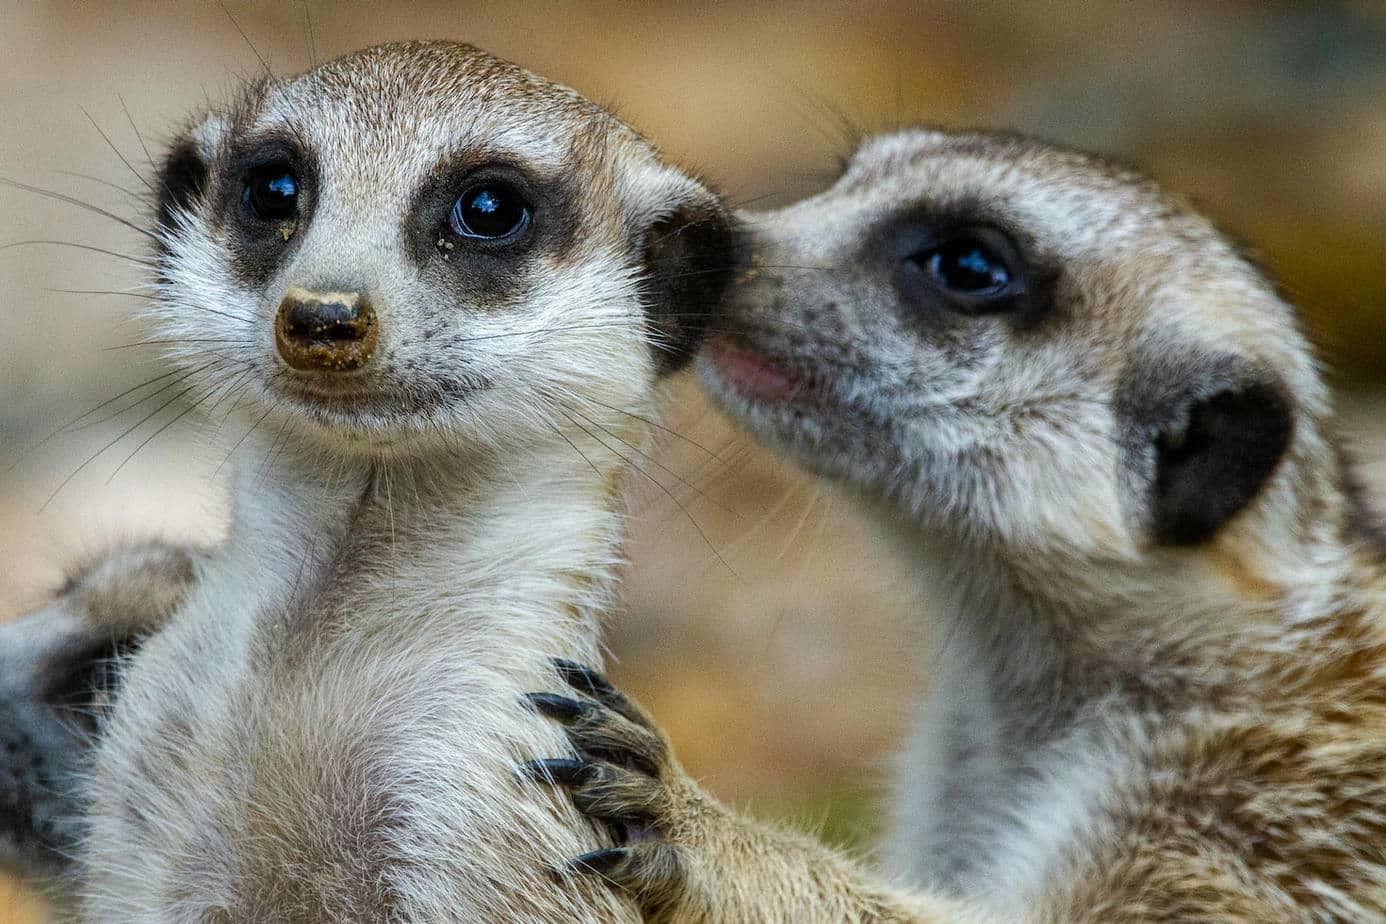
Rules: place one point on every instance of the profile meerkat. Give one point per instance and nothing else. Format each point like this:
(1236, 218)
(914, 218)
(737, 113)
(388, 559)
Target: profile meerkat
(1097, 434)
(440, 291)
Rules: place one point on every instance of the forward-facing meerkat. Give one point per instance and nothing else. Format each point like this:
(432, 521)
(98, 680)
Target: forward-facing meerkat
(440, 291)
(1097, 434)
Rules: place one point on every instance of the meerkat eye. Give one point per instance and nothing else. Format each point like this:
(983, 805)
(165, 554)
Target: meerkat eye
(490, 212)
(966, 265)
(271, 192)
(976, 271)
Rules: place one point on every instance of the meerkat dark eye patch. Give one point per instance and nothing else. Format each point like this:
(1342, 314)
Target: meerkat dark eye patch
(1211, 438)
(484, 214)
(268, 191)
(182, 179)
(961, 266)
(966, 266)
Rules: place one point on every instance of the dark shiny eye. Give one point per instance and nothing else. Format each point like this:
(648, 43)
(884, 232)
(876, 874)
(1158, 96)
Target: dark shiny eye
(271, 192)
(967, 266)
(490, 212)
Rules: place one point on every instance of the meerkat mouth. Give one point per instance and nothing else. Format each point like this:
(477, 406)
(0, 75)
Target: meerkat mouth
(755, 376)
(357, 411)
(337, 399)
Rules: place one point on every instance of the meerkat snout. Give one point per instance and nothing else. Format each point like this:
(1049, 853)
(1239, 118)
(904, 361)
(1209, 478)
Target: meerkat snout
(325, 331)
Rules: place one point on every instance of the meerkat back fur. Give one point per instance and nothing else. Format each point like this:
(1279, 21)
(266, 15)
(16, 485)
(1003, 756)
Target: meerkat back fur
(439, 292)
(1096, 433)
(59, 669)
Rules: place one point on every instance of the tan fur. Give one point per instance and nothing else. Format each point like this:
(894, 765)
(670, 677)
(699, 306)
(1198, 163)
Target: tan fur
(134, 589)
(1122, 728)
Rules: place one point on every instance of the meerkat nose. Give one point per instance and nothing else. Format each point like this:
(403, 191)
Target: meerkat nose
(325, 331)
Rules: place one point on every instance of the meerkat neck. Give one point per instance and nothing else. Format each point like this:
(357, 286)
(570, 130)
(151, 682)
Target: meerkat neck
(1045, 672)
(1165, 623)
(538, 531)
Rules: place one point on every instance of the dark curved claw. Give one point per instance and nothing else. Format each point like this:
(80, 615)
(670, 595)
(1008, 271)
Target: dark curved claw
(620, 777)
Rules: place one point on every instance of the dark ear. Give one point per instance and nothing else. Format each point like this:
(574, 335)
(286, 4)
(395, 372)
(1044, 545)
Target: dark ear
(185, 170)
(182, 178)
(1210, 431)
(690, 257)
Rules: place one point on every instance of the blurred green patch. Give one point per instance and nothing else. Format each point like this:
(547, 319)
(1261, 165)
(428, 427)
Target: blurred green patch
(843, 815)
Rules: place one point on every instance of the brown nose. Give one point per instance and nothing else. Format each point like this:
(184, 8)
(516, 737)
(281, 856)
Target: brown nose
(325, 331)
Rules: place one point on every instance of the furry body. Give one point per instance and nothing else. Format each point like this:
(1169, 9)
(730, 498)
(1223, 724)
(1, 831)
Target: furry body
(327, 729)
(1159, 688)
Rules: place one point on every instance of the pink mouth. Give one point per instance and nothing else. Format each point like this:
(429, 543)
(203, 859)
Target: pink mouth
(752, 374)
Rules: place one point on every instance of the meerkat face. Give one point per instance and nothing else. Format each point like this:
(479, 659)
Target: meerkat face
(421, 245)
(1015, 343)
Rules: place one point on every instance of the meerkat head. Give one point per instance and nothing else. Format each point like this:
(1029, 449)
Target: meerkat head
(420, 245)
(1018, 344)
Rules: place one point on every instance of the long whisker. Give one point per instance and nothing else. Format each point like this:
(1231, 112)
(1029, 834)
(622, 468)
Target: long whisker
(308, 28)
(798, 529)
(743, 203)
(110, 253)
(276, 448)
(677, 477)
(659, 484)
(249, 44)
(107, 403)
(230, 386)
(657, 425)
(766, 518)
(143, 295)
(269, 73)
(93, 457)
(137, 196)
(178, 340)
(203, 309)
(73, 200)
(110, 144)
(136, 129)
(390, 507)
(150, 438)
(154, 394)
(590, 464)
(253, 427)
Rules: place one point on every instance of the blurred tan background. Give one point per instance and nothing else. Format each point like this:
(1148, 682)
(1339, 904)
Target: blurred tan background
(783, 673)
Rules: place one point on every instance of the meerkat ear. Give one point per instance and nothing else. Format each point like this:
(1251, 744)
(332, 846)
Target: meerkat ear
(692, 249)
(186, 168)
(1212, 437)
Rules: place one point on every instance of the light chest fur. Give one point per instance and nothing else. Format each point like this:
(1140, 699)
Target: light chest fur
(343, 747)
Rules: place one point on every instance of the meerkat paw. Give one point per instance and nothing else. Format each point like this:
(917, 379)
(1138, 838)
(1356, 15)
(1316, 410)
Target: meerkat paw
(623, 776)
(681, 855)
